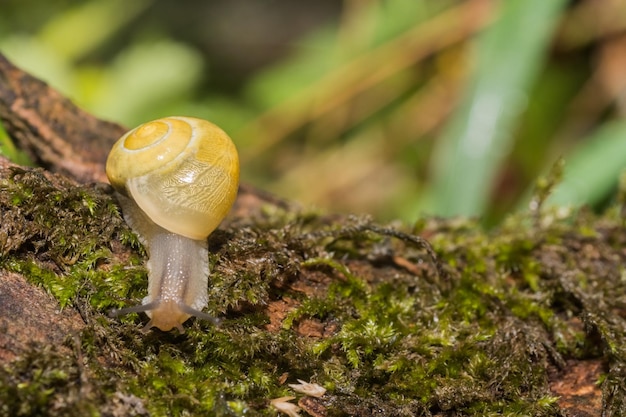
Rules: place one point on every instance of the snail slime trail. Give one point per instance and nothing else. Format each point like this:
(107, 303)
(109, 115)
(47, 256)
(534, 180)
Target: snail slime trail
(176, 179)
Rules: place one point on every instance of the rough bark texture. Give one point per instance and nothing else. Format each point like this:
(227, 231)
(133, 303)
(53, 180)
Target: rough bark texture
(51, 129)
(443, 319)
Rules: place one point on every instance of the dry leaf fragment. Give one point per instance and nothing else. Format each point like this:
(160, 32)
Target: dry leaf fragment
(283, 405)
(307, 388)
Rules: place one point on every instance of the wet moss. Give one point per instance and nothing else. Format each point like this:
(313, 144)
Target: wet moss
(44, 382)
(440, 319)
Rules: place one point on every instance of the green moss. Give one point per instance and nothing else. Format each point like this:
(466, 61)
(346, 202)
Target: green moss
(466, 322)
(45, 382)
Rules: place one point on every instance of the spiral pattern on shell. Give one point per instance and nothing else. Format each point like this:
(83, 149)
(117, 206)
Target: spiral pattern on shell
(182, 172)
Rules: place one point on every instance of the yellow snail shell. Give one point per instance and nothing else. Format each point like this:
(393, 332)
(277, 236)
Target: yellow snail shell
(176, 180)
(181, 171)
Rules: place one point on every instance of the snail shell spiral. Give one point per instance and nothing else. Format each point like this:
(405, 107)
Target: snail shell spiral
(182, 172)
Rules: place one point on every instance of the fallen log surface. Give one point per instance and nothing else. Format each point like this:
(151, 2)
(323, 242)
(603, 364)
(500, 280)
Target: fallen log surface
(441, 318)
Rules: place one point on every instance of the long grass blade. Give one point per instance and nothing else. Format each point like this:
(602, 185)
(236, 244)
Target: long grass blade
(508, 56)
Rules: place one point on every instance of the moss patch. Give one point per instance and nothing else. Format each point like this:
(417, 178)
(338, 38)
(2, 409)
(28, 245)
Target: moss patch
(361, 309)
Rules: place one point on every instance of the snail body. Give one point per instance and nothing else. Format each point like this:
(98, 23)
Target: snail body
(176, 179)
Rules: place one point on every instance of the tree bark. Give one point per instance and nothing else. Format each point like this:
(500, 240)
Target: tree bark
(528, 319)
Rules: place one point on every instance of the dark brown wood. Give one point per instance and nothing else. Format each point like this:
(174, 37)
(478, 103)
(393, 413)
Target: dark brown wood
(26, 314)
(577, 388)
(54, 132)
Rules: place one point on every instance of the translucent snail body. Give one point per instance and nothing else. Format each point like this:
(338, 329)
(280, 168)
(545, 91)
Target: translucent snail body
(176, 180)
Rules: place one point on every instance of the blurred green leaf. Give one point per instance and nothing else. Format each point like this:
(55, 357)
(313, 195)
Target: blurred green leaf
(593, 169)
(364, 91)
(32, 55)
(82, 28)
(9, 151)
(329, 48)
(145, 81)
(480, 135)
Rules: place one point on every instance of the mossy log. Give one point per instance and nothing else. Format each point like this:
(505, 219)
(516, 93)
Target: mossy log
(440, 318)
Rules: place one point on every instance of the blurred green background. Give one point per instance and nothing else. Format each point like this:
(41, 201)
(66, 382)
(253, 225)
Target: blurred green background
(397, 108)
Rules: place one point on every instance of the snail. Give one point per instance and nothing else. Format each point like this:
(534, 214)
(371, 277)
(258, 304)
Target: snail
(176, 179)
